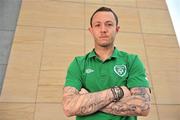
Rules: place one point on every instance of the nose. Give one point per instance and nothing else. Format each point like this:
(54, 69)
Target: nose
(103, 29)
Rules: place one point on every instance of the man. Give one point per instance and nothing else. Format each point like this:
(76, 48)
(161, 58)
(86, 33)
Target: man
(106, 84)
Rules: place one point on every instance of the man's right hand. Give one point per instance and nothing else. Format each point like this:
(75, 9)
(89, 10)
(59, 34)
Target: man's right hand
(126, 91)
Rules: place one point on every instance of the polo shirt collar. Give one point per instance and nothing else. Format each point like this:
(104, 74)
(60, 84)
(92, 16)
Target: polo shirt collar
(92, 54)
(114, 55)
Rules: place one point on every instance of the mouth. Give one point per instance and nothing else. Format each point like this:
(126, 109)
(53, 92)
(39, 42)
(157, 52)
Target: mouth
(103, 37)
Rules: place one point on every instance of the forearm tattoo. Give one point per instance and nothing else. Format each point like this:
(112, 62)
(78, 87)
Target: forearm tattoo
(84, 104)
(138, 104)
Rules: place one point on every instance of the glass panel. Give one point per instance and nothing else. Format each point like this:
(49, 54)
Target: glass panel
(174, 10)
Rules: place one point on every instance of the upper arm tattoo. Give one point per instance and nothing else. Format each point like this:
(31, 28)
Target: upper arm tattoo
(137, 104)
(143, 92)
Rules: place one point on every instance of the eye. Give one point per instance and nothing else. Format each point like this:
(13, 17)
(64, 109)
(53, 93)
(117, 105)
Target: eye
(109, 24)
(97, 25)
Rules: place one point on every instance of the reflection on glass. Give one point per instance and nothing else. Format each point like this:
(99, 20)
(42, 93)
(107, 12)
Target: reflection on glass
(174, 9)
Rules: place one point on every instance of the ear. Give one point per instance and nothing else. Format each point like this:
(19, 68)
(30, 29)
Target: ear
(90, 29)
(117, 28)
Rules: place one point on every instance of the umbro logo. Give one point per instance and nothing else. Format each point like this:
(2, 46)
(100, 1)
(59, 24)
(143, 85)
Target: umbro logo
(88, 70)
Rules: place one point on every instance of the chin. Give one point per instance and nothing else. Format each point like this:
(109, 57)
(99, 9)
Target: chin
(105, 45)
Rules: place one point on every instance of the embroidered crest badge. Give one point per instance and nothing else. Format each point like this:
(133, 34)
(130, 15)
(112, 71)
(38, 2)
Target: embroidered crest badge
(120, 70)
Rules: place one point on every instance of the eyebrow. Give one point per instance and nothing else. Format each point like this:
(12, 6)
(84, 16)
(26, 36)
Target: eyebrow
(109, 21)
(105, 22)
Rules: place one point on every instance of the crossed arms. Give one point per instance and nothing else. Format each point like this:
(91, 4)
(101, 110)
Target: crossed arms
(136, 102)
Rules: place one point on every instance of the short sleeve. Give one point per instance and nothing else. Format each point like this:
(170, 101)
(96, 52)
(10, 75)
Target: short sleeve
(137, 74)
(73, 76)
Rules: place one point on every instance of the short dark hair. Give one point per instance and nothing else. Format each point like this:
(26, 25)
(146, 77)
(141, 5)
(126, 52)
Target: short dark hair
(104, 9)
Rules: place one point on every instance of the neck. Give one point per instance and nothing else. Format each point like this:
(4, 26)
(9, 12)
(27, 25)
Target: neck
(104, 52)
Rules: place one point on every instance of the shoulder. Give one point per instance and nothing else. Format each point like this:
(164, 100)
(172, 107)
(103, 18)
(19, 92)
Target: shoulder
(130, 58)
(126, 55)
(134, 61)
(82, 59)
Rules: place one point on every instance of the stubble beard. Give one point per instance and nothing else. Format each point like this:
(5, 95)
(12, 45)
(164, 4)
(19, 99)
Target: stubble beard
(105, 45)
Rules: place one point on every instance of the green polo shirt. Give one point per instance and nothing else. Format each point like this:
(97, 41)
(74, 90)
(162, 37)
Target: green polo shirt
(93, 74)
